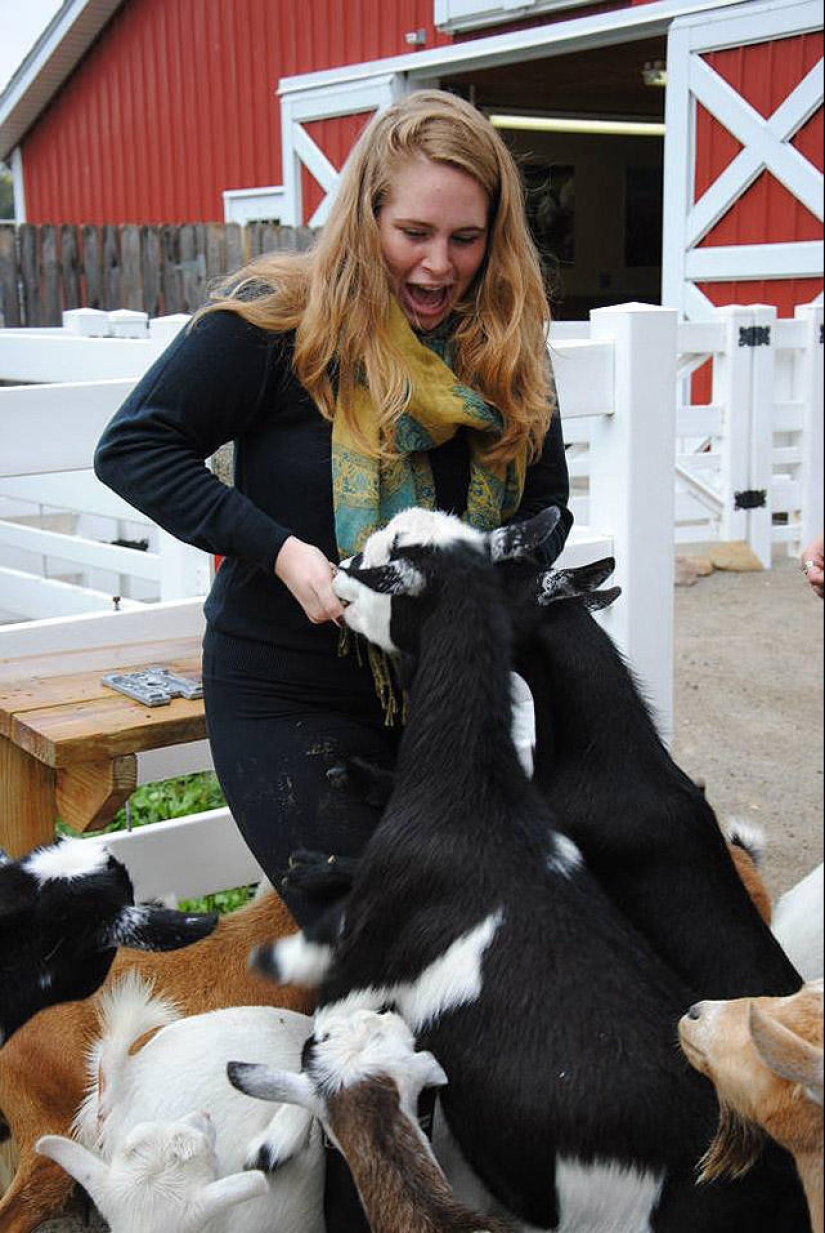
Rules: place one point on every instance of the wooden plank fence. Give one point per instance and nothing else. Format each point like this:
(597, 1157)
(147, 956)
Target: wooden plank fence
(159, 270)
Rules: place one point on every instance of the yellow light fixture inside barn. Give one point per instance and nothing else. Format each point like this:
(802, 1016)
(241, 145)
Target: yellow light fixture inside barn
(574, 124)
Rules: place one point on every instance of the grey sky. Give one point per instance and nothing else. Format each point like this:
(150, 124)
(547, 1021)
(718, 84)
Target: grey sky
(21, 21)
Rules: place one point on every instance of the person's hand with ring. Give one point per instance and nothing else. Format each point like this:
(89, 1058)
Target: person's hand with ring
(812, 563)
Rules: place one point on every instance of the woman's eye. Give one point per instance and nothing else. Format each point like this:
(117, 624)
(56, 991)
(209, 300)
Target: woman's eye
(414, 235)
(465, 239)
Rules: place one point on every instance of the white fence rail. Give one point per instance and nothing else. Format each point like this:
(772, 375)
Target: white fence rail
(76, 378)
(619, 377)
(748, 465)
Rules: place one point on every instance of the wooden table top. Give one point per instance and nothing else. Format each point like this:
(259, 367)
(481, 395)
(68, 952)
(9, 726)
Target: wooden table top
(56, 708)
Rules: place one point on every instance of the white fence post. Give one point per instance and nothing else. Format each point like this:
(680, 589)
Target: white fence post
(732, 390)
(760, 478)
(631, 469)
(811, 394)
(184, 570)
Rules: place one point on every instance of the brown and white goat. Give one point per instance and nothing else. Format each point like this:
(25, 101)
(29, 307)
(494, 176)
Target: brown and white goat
(43, 1066)
(361, 1078)
(764, 1056)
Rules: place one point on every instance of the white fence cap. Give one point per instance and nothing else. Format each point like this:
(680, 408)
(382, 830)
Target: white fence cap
(87, 323)
(164, 329)
(126, 323)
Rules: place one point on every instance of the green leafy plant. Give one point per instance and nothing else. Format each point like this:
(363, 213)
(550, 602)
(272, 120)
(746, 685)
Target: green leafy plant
(175, 798)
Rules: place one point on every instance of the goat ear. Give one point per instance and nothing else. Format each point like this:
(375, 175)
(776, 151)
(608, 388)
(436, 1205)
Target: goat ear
(588, 577)
(521, 539)
(559, 584)
(429, 1070)
(223, 1194)
(264, 1083)
(394, 578)
(79, 1163)
(596, 600)
(148, 928)
(787, 1054)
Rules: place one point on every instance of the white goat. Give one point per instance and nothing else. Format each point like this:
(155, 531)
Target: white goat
(798, 924)
(183, 1067)
(362, 1078)
(162, 1177)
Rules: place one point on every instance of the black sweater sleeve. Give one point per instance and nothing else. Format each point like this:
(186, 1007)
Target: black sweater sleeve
(206, 389)
(547, 483)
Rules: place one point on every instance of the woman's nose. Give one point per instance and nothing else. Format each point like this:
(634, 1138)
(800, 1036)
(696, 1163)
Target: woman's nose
(437, 258)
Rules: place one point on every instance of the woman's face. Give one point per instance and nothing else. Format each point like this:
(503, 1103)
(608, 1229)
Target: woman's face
(433, 230)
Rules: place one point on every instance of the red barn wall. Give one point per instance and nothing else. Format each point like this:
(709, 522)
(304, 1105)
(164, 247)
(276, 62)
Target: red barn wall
(764, 74)
(175, 102)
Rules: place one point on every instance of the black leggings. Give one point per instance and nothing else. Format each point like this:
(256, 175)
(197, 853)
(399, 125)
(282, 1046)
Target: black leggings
(273, 743)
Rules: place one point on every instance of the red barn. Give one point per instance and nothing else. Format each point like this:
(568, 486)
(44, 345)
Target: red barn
(691, 128)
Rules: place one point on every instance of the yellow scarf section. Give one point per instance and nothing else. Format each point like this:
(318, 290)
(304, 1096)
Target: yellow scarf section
(369, 491)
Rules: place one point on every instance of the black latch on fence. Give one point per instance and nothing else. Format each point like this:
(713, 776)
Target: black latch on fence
(751, 498)
(754, 336)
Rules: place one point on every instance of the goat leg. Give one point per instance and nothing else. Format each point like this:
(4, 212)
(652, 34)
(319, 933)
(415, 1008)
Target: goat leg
(318, 875)
(371, 783)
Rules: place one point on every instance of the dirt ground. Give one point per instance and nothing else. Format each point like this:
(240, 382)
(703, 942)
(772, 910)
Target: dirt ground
(748, 707)
(748, 718)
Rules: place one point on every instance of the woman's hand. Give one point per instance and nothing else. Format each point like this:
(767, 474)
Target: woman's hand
(812, 563)
(307, 573)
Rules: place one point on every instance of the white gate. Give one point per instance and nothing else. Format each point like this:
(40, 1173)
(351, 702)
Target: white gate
(766, 146)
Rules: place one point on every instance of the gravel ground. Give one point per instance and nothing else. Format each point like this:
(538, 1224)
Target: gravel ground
(748, 719)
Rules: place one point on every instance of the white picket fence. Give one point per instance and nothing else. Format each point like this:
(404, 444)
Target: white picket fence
(758, 442)
(620, 379)
(57, 522)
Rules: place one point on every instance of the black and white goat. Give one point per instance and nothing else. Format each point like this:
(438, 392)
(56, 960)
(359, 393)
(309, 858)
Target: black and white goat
(475, 918)
(64, 911)
(644, 828)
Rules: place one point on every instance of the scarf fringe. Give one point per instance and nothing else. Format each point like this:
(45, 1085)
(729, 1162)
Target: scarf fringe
(393, 706)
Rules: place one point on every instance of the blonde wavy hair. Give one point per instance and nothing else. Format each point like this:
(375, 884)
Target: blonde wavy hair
(336, 297)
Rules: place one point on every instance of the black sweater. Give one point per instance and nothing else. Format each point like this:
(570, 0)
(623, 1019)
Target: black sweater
(227, 380)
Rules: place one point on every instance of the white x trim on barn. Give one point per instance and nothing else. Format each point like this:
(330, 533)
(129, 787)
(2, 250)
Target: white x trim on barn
(766, 146)
(356, 88)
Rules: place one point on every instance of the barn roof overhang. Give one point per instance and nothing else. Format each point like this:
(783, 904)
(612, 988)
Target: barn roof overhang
(67, 38)
(641, 21)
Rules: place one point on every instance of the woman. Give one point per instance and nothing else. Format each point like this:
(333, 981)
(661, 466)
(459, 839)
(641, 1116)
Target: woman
(402, 361)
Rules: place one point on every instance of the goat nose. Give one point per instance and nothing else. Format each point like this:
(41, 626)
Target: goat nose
(695, 1011)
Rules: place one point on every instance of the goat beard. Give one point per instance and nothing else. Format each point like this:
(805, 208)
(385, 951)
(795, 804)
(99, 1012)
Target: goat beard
(735, 1149)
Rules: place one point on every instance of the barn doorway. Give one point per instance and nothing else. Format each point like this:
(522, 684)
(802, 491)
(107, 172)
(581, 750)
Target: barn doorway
(588, 132)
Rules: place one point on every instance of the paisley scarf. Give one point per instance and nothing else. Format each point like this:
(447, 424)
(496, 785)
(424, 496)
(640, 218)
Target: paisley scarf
(369, 491)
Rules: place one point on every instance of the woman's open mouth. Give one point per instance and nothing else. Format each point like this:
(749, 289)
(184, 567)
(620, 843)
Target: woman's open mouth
(427, 301)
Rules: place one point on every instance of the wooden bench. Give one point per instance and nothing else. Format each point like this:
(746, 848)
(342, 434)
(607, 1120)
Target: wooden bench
(68, 743)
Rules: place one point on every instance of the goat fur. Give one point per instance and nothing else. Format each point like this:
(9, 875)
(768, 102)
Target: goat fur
(468, 859)
(42, 1068)
(362, 1081)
